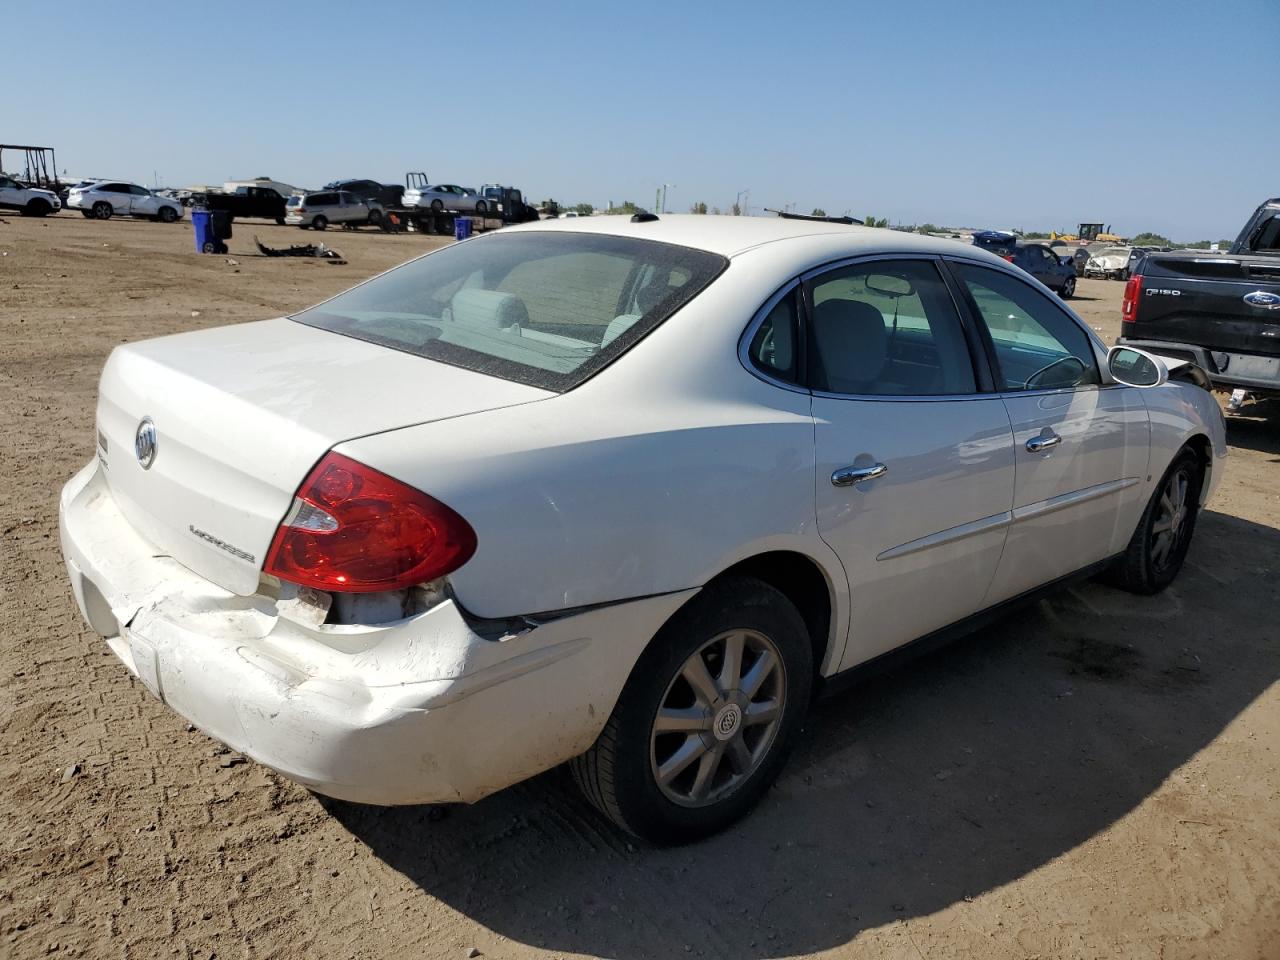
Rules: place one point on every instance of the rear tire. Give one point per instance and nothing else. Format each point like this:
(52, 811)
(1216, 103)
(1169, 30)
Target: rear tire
(437, 205)
(1068, 289)
(320, 223)
(102, 210)
(87, 214)
(279, 221)
(700, 731)
(1159, 544)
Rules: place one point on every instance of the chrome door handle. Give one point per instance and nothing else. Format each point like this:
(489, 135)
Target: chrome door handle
(1043, 442)
(848, 476)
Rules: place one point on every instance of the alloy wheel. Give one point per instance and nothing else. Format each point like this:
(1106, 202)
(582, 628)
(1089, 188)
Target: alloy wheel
(718, 718)
(1170, 525)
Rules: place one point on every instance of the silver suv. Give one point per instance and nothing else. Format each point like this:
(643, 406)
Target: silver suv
(330, 206)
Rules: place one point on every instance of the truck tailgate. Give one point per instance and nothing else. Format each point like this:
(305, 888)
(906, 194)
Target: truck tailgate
(1219, 302)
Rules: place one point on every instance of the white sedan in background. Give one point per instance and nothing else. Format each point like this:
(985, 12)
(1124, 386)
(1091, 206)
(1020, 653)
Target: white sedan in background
(626, 493)
(445, 196)
(115, 198)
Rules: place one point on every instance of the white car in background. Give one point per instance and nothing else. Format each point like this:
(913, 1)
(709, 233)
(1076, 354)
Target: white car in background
(30, 201)
(626, 494)
(117, 198)
(1109, 263)
(445, 196)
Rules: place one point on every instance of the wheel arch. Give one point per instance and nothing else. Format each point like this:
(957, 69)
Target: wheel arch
(1202, 446)
(808, 585)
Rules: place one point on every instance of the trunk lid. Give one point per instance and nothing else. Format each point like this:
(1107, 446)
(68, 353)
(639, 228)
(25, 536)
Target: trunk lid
(242, 413)
(1199, 299)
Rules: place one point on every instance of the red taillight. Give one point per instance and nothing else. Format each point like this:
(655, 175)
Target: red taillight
(1129, 305)
(353, 529)
(1007, 256)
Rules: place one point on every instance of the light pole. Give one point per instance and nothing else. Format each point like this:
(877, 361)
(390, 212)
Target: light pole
(738, 200)
(662, 207)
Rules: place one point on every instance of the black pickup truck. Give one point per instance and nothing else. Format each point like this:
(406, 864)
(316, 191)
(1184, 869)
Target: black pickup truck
(1220, 310)
(261, 202)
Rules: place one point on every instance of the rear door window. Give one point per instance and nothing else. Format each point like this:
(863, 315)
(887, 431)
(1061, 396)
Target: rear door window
(887, 328)
(1267, 237)
(1038, 345)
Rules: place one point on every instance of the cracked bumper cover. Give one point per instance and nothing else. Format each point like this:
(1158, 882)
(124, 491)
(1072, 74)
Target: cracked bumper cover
(419, 710)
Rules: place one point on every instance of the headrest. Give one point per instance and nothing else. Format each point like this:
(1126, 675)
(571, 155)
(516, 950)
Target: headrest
(618, 326)
(852, 343)
(651, 294)
(488, 308)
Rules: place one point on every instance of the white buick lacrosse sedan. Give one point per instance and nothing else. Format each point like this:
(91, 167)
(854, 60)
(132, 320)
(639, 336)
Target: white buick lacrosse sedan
(620, 492)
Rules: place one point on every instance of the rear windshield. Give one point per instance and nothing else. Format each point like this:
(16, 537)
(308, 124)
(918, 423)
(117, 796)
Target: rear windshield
(543, 308)
(294, 201)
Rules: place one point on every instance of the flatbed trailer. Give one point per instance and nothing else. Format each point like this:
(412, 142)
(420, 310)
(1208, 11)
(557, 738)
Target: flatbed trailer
(418, 220)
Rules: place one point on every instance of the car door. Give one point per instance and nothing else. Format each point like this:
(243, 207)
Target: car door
(142, 202)
(1032, 262)
(10, 194)
(116, 194)
(1080, 447)
(914, 460)
(1051, 273)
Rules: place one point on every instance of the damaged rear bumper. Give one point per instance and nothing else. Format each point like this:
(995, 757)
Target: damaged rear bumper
(419, 710)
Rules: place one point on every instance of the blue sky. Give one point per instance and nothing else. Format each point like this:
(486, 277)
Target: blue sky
(1146, 115)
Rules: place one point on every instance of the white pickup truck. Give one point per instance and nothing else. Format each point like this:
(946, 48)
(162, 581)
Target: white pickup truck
(31, 201)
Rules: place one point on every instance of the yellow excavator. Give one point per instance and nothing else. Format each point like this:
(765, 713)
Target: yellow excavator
(1089, 233)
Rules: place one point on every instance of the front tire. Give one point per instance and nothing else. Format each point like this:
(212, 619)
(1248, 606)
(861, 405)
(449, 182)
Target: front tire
(1159, 544)
(37, 208)
(167, 215)
(481, 207)
(707, 718)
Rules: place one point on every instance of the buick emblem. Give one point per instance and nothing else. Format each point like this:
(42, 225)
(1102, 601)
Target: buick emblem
(144, 443)
(1261, 298)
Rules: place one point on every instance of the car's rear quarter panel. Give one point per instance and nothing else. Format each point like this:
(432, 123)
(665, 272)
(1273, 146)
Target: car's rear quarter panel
(655, 475)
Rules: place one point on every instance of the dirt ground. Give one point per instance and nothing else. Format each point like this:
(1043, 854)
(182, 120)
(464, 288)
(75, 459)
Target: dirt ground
(1097, 776)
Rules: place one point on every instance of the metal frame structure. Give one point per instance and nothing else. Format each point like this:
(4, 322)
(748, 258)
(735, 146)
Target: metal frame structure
(41, 165)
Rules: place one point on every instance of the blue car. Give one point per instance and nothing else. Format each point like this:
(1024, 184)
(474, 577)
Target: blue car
(1036, 259)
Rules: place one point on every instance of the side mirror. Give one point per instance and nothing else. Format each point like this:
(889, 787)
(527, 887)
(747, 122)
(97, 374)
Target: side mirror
(1136, 368)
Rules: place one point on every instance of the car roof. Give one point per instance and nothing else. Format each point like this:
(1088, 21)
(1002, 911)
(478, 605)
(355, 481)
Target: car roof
(732, 236)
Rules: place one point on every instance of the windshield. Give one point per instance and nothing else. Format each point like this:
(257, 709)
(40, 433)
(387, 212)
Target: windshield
(543, 308)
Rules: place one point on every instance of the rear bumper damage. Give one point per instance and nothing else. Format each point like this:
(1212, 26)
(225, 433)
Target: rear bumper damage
(419, 710)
